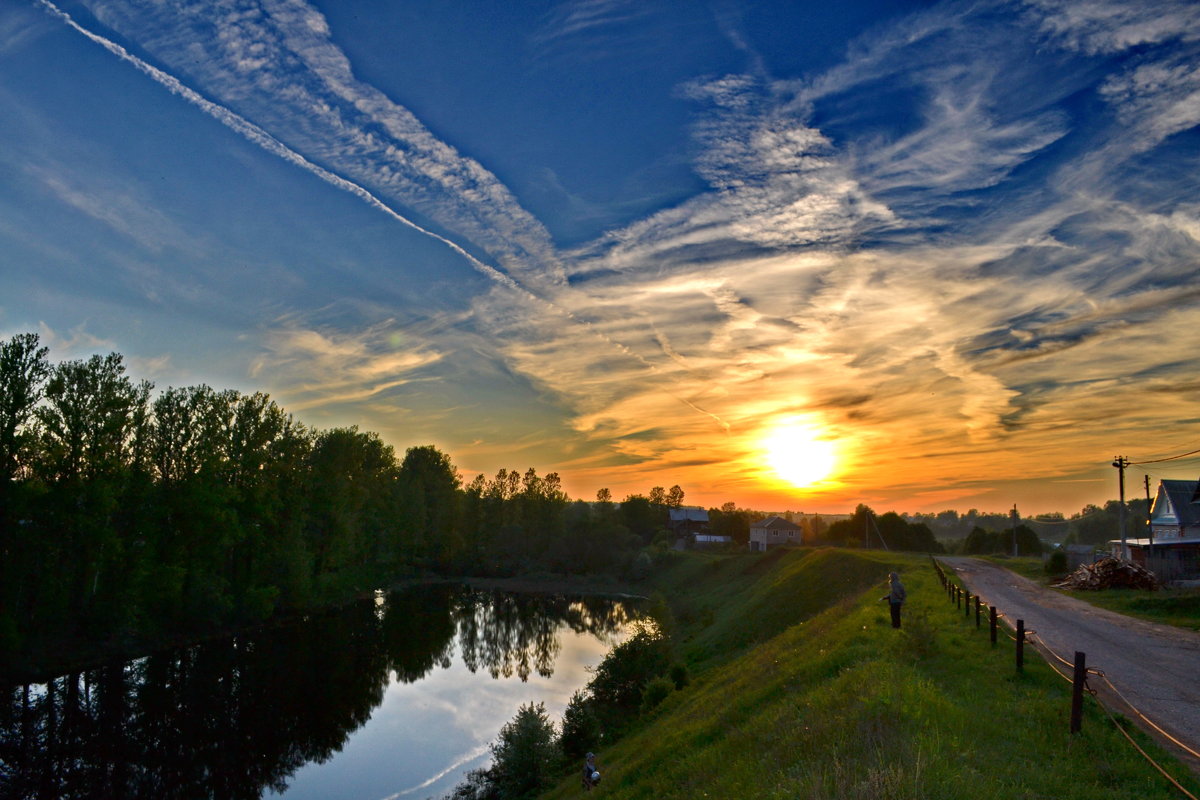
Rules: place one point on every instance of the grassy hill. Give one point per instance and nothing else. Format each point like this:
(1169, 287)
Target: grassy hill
(801, 689)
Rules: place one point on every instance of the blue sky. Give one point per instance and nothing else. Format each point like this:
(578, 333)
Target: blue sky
(637, 244)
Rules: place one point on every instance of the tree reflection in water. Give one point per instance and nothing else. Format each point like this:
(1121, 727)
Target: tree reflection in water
(234, 717)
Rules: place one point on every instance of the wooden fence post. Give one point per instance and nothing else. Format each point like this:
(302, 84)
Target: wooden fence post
(957, 597)
(967, 605)
(992, 623)
(1077, 692)
(1020, 645)
(978, 606)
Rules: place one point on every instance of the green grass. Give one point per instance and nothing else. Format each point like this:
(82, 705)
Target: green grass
(801, 689)
(1178, 607)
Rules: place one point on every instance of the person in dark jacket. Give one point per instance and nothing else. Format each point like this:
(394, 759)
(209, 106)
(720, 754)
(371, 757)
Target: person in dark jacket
(895, 598)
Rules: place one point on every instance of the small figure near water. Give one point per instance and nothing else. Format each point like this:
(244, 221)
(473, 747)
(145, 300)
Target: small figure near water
(591, 776)
(895, 598)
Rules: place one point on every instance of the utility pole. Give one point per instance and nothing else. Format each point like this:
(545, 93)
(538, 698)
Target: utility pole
(1149, 525)
(1015, 518)
(1121, 462)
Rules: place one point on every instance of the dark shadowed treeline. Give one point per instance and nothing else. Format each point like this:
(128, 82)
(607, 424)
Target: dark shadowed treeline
(126, 513)
(889, 531)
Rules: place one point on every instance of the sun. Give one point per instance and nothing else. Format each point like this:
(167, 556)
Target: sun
(799, 454)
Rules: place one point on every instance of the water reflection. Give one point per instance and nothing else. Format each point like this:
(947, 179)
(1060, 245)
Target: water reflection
(236, 717)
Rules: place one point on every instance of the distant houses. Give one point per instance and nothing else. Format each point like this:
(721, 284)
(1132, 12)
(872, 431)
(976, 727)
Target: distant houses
(1172, 549)
(690, 528)
(772, 532)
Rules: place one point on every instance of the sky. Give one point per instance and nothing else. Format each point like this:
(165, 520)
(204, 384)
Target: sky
(796, 256)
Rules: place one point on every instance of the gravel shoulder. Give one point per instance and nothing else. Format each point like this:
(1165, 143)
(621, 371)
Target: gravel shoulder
(1156, 667)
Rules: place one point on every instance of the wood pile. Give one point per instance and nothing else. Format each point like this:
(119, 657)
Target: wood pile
(1110, 573)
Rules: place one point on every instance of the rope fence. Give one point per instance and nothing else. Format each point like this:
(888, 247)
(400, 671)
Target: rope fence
(1076, 671)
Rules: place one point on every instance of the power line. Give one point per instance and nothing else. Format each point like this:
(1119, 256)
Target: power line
(1160, 460)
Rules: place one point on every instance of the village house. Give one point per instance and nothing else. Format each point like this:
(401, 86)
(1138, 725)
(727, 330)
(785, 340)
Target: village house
(771, 532)
(1172, 550)
(690, 528)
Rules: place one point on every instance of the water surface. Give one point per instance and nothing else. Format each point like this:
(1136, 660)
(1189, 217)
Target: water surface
(395, 698)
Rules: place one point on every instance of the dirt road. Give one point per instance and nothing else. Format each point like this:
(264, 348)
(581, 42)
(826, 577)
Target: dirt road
(1157, 667)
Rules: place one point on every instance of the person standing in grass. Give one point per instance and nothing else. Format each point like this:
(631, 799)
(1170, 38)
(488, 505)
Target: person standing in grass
(591, 776)
(895, 598)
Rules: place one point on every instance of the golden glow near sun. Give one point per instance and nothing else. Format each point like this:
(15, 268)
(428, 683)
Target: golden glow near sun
(798, 454)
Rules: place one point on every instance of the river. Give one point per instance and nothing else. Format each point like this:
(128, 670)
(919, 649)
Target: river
(392, 698)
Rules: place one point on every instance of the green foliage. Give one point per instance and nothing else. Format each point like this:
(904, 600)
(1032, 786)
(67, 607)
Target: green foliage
(679, 675)
(655, 692)
(729, 520)
(889, 531)
(581, 732)
(617, 684)
(524, 754)
(1056, 564)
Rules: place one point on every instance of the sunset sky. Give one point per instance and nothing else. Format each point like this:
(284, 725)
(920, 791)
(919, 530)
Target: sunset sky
(792, 255)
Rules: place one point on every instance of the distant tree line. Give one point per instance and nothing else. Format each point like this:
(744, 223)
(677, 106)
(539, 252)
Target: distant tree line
(125, 513)
(891, 531)
(978, 532)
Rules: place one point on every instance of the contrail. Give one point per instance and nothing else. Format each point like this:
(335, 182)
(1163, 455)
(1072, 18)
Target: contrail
(466, 759)
(260, 137)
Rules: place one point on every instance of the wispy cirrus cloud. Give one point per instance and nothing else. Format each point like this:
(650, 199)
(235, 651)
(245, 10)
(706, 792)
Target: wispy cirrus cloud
(925, 265)
(331, 367)
(276, 63)
(920, 250)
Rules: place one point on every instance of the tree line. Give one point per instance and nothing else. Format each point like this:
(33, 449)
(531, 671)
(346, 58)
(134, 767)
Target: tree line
(127, 513)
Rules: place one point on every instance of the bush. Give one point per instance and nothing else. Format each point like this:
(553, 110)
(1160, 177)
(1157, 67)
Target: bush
(619, 679)
(655, 692)
(1057, 563)
(679, 675)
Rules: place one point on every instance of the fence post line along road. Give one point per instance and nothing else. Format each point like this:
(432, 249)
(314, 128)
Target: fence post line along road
(1153, 668)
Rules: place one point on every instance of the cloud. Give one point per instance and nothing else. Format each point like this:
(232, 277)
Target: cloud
(586, 17)
(1110, 26)
(921, 250)
(329, 367)
(119, 207)
(279, 66)
(75, 343)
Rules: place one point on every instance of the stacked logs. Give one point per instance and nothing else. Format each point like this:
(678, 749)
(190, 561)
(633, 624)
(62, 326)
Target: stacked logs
(1110, 573)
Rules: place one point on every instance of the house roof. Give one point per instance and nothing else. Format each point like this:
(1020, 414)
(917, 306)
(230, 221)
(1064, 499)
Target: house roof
(688, 515)
(1175, 504)
(1163, 543)
(776, 523)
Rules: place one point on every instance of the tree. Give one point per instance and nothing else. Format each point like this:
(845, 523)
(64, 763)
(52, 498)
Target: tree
(729, 520)
(642, 516)
(431, 481)
(91, 422)
(580, 727)
(23, 373)
(675, 497)
(524, 754)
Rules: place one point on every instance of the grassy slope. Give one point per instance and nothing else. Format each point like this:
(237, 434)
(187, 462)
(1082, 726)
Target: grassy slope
(802, 689)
